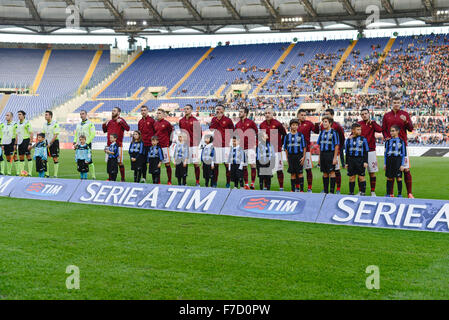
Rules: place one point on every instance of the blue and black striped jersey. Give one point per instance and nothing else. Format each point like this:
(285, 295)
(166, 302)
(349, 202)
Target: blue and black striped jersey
(294, 143)
(328, 140)
(395, 147)
(357, 147)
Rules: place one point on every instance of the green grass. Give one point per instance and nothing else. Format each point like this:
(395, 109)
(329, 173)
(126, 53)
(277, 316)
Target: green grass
(127, 253)
(430, 175)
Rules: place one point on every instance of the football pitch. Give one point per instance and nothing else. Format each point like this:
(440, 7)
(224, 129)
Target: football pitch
(127, 253)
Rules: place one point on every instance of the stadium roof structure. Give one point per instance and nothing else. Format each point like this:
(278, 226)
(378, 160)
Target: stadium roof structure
(212, 16)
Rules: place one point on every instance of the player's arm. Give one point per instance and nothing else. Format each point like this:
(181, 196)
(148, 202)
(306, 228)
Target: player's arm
(365, 150)
(124, 124)
(55, 133)
(408, 123)
(337, 147)
(376, 127)
(243, 159)
(75, 138)
(385, 131)
(105, 126)
(386, 152)
(403, 153)
(346, 152)
(92, 133)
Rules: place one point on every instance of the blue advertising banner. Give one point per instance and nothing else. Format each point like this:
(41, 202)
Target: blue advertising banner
(274, 205)
(151, 196)
(44, 189)
(7, 184)
(380, 212)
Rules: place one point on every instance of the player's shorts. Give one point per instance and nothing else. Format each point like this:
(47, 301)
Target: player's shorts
(279, 165)
(119, 158)
(406, 160)
(372, 162)
(250, 155)
(222, 154)
(8, 149)
(53, 150)
(194, 155)
(308, 161)
(166, 154)
(294, 163)
(23, 147)
(355, 166)
(326, 161)
(393, 164)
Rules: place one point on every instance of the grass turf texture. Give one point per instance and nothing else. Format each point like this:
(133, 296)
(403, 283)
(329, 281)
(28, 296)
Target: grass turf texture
(430, 175)
(127, 253)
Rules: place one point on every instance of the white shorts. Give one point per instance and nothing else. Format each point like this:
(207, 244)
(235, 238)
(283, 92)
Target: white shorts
(194, 155)
(250, 155)
(308, 161)
(372, 162)
(406, 160)
(222, 154)
(279, 165)
(166, 154)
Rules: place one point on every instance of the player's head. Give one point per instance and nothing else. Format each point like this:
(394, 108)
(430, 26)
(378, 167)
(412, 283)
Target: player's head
(137, 136)
(327, 122)
(356, 129)
(394, 131)
(40, 137)
(21, 115)
(301, 115)
(188, 109)
(160, 114)
(83, 115)
(269, 113)
(243, 112)
(181, 137)
(82, 139)
(144, 111)
(219, 110)
(113, 137)
(154, 140)
(329, 113)
(208, 139)
(396, 102)
(48, 115)
(9, 116)
(294, 124)
(116, 112)
(235, 141)
(364, 113)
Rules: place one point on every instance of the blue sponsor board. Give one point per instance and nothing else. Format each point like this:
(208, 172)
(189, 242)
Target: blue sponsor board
(44, 189)
(274, 205)
(7, 184)
(151, 196)
(383, 212)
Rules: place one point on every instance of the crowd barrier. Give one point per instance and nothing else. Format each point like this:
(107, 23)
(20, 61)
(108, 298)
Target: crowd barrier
(380, 212)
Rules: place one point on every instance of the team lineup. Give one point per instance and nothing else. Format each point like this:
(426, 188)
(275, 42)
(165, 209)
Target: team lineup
(238, 148)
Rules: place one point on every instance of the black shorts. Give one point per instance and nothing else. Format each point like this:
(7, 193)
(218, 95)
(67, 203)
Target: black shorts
(8, 149)
(82, 166)
(138, 164)
(112, 166)
(23, 147)
(153, 166)
(236, 173)
(392, 167)
(53, 150)
(180, 171)
(41, 165)
(326, 159)
(294, 163)
(208, 173)
(355, 166)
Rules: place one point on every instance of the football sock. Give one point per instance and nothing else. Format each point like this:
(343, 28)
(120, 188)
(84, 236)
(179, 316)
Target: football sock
(408, 181)
(56, 168)
(332, 188)
(253, 175)
(122, 172)
(228, 175)
(351, 187)
(338, 179)
(309, 178)
(8, 167)
(21, 166)
(92, 170)
(197, 174)
(399, 186)
(30, 166)
(2, 167)
(362, 187)
(326, 184)
(280, 175)
(301, 183)
(17, 167)
(372, 181)
(168, 173)
(245, 174)
(390, 187)
(293, 182)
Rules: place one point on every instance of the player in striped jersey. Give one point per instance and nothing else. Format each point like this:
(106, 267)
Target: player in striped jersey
(394, 160)
(329, 143)
(295, 146)
(356, 151)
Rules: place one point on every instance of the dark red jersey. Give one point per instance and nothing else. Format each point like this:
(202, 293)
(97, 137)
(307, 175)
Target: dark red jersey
(189, 125)
(369, 132)
(163, 130)
(391, 118)
(306, 128)
(146, 128)
(118, 127)
(221, 125)
(245, 125)
(274, 125)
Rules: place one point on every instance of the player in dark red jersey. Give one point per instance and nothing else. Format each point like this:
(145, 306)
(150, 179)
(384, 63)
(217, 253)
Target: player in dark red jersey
(402, 119)
(223, 129)
(117, 125)
(146, 128)
(274, 128)
(306, 127)
(247, 130)
(369, 129)
(163, 130)
(341, 136)
(192, 128)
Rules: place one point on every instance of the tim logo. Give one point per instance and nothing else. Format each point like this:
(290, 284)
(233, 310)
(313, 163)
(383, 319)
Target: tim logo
(44, 189)
(271, 205)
